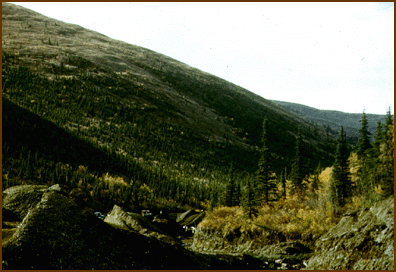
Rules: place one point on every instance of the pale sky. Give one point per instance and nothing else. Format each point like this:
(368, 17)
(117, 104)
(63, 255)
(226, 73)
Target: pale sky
(335, 56)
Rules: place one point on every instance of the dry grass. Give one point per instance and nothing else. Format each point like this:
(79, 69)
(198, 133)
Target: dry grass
(297, 216)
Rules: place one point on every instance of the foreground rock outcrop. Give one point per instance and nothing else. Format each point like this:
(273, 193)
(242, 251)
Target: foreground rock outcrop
(43, 229)
(133, 221)
(361, 240)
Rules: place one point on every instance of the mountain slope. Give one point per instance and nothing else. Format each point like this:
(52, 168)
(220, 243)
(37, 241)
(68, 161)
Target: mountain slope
(164, 115)
(334, 119)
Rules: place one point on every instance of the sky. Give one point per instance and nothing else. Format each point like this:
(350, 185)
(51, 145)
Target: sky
(327, 55)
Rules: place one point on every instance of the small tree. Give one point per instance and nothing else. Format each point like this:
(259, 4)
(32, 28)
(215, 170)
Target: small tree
(379, 137)
(298, 168)
(364, 140)
(283, 182)
(265, 177)
(232, 196)
(341, 187)
(386, 164)
(250, 202)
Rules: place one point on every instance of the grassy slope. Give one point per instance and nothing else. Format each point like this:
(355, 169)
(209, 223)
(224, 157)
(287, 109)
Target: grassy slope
(160, 113)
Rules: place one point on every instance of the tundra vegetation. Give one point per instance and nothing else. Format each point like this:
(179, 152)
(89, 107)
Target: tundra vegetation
(294, 204)
(160, 134)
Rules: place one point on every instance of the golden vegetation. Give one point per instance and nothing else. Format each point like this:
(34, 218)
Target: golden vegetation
(307, 214)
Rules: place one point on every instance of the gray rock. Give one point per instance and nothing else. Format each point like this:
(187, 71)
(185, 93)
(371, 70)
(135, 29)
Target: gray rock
(133, 221)
(362, 240)
(19, 200)
(190, 218)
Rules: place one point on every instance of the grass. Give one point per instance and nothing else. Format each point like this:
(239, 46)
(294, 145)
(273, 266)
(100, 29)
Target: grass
(297, 217)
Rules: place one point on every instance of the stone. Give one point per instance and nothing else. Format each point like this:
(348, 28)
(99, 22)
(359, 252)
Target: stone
(361, 240)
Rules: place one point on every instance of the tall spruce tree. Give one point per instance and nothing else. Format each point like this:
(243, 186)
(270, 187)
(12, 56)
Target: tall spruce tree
(341, 187)
(379, 137)
(364, 140)
(232, 189)
(265, 177)
(386, 164)
(297, 174)
(283, 182)
(236, 199)
(250, 203)
(388, 124)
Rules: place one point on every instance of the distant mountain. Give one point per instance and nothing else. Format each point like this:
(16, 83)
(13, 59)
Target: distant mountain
(159, 114)
(334, 119)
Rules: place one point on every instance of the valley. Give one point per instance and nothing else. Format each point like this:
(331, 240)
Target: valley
(93, 124)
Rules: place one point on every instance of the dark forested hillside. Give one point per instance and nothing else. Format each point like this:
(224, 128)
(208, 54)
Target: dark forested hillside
(75, 99)
(333, 120)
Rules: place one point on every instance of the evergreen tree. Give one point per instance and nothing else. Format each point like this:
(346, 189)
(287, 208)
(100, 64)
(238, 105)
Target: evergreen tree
(315, 180)
(265, 178)
(388, 125)
(231, 188)
(364, 140)
(341, 187)
(236, 199)
(379, 137)
(298, 170)
(250, 202)
(213, 198)
(283, 182)
(386, 166)
(368, 178)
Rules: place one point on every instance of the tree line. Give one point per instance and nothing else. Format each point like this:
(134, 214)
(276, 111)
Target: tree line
(375, 175)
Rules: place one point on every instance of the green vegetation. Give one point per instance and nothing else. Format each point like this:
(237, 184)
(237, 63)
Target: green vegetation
(364, 140)
(265, 177)
(341, 187)
(298, 168)
(156, 133)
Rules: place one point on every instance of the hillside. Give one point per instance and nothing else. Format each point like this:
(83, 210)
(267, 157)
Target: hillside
(159, 121)
(334, 119)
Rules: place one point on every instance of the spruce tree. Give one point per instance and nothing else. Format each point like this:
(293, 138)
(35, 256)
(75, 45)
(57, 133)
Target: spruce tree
(341, 187)
(364, 140)
(250, 202)
(231, 188)
(283, 182)
(379, 137)
(298, 170)
(388, 124)
(236, 199)
(386, 166)
(265, 179)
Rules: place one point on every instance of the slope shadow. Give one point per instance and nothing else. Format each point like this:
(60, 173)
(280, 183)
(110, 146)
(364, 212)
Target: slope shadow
(24, 130)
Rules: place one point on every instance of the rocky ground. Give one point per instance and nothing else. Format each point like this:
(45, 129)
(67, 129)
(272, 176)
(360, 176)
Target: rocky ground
(363, 239)
(44, 229)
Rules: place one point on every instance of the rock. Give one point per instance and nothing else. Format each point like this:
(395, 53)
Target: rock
(19, 200)
(190, 218)
(284, 249)
(362, 240)
(133, 221)
(128, 220)
(168, 226)
(54, 233)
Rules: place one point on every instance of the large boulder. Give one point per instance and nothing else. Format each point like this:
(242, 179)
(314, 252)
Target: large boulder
(133, 221)
(19, 200)
(190, 218)
(361, 240)
(47, 230)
